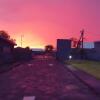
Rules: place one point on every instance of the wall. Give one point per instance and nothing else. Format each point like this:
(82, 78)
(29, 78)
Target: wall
(89, 54)
(63, 49)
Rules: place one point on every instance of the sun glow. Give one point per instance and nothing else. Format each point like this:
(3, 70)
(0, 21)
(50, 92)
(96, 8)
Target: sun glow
(41, 23)
(29, 39)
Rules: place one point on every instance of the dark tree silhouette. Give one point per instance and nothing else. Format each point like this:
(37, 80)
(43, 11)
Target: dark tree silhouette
(49, 48)
(74, 42)
(13, 40)
(4, 34)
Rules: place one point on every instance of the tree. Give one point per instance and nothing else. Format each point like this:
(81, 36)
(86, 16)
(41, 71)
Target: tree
(49, 48)
(13, 40)
(74, 42)
(4, 34)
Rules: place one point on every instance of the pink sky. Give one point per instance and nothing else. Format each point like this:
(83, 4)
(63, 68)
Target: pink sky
(41, 22)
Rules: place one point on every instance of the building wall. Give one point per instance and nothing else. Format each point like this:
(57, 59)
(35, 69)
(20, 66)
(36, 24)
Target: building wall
(63, 49)
(6, 52)
(97, 50)
(90, 54)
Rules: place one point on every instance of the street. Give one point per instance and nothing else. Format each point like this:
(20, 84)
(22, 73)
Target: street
(46, 79)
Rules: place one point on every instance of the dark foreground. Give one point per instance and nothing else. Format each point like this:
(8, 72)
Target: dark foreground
(44, 79)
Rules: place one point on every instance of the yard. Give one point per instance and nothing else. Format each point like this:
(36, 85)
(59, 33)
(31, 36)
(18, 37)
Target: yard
(91, 67)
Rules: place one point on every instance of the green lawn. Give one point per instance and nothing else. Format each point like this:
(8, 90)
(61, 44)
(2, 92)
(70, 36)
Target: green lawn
(91, 67)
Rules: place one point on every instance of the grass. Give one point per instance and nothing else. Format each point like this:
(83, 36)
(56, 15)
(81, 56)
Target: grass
(91, 67)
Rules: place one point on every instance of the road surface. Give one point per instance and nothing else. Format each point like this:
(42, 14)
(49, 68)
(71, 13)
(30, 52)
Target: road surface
(45, 79)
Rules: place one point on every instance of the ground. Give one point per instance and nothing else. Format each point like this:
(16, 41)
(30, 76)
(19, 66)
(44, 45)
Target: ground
(46, 79)
(91, 67)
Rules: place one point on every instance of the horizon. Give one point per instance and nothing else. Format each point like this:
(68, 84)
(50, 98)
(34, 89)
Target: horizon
(88, 45)
(41, 22)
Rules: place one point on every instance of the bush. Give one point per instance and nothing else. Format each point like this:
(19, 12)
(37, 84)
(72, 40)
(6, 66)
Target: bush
(21, 54)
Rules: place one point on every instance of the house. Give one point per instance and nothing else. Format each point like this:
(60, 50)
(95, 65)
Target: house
(6, 50)
(90, 51)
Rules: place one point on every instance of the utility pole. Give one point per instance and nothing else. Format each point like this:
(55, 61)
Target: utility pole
(80, 44)
(22, 40)
(81, 40)
(82, 36)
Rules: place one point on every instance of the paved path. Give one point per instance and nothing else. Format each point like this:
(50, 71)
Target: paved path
(44, 79)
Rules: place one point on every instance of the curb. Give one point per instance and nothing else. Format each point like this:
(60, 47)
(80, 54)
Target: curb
(10, 66)
(91, 82)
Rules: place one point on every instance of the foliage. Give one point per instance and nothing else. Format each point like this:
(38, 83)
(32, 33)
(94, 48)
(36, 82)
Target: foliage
(4, 34)
(74, 42)
(49, 48)
(22, 53)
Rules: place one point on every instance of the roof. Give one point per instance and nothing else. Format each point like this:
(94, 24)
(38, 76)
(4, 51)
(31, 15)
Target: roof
(7, 41)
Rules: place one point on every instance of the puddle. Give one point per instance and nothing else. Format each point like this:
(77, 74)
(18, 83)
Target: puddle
(50, 64)
(29, 64)
(29, 98)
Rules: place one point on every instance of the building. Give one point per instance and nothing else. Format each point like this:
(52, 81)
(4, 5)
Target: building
(6, 50)
(91, 51)
(63, 49)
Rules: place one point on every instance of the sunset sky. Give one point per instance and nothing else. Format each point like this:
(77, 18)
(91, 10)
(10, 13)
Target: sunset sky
(41, 22)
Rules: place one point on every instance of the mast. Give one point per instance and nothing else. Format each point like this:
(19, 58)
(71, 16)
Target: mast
(80, 44)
